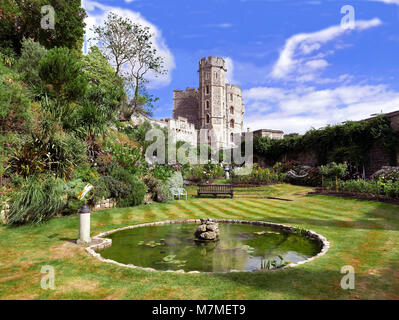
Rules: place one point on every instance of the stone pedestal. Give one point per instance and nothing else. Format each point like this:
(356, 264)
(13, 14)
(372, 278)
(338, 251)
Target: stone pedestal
(84, 228)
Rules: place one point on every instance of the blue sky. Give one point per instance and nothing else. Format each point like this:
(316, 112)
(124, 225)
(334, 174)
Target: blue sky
(297, 67)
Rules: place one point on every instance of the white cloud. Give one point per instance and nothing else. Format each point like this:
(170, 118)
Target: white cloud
(294, 61)
(300, 109)
(230, 70)
(97, 14)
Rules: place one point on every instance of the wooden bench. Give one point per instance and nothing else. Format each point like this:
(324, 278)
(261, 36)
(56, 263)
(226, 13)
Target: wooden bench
(215, 189)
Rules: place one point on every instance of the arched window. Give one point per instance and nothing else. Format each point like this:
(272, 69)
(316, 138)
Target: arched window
(232, 137)
(208, 118)
(231, 110)
(208, 104)
(207, 89)
(232, 123)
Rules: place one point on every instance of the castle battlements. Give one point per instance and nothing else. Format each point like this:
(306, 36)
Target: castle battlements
(212, 62)
(188, 90)
(231, 88)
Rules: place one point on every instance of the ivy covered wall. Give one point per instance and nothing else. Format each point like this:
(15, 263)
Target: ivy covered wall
(373, 143)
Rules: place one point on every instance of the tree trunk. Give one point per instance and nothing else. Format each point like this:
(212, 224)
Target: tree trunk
(136, 93)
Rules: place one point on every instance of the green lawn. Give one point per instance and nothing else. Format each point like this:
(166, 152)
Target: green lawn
(363, 234)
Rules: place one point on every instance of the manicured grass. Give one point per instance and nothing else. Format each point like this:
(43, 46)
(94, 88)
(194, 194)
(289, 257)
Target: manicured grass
(363, 234)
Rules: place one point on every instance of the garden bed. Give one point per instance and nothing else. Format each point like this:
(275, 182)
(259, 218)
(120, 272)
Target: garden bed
(357, 196)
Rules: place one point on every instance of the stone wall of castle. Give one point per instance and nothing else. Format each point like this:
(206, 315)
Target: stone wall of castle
(186, 105)
(235, 110)
(181, 129)
(215, 106)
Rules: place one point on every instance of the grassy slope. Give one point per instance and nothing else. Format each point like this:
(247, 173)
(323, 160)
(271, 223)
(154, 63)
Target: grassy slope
(362, 234)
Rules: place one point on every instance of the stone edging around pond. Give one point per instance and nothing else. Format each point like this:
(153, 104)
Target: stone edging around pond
(101, 243)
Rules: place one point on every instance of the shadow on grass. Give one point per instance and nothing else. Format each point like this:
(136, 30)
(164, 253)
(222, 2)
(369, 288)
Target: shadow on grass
(381, 217)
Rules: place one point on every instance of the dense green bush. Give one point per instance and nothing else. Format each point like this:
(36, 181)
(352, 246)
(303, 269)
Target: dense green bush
(106, 89)
(21, 19)
(136, 196)
(86, 174)
(127, 155)
(15, 105)
(100, 191)
(61, 70)
(28, 63)
(58, 153)
(126, 187)
(38, 200)
(162, 172)
(117, 189)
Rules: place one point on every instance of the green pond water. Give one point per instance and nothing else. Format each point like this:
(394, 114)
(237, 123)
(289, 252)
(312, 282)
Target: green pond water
(241, 247)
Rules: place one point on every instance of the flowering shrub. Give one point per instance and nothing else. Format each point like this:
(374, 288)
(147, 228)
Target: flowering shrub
(387, 174)
(258, 176)
(162, 193)
(204, 173)
(374, 188)
(162, 172)
(104, 163)
(151, 183)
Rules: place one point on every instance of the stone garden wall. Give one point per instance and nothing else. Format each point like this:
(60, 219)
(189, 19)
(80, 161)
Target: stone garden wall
(105, 204)
(378, 157)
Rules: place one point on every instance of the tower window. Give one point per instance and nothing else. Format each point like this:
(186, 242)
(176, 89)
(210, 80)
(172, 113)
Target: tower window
(231, 110)
(208, 119)
(207, 89)
(207, 74)
(208, 104)
(231, 123)
(232, 137)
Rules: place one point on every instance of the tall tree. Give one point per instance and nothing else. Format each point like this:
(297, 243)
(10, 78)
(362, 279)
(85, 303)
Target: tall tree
(117, 38)
(129, 47)
(22, 19)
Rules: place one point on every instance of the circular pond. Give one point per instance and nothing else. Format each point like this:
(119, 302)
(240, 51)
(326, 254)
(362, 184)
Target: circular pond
(241, 247)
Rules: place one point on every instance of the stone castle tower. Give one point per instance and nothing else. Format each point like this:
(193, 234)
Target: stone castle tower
(215, 106)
